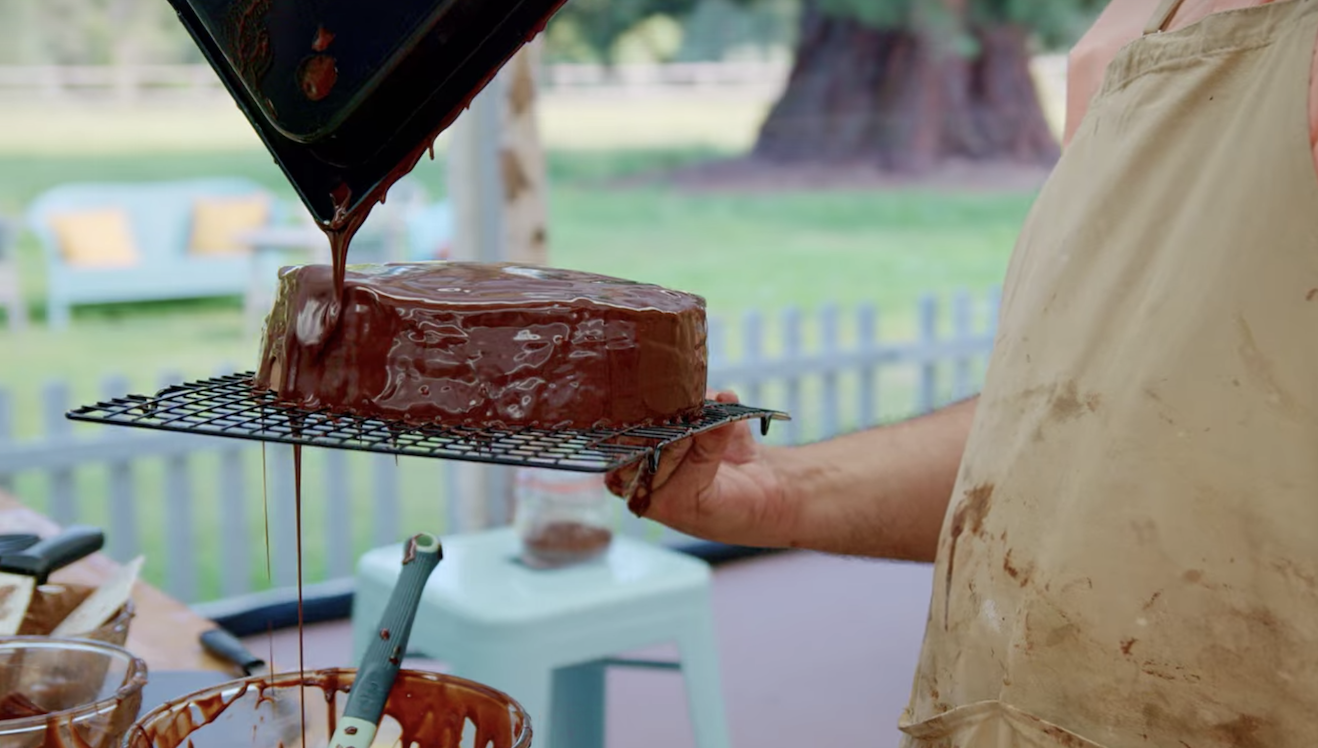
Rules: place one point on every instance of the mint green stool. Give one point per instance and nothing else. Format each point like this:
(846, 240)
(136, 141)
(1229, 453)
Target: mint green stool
(546, 637)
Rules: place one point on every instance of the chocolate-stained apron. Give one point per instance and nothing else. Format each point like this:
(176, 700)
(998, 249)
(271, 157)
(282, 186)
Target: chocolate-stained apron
(1131, 555)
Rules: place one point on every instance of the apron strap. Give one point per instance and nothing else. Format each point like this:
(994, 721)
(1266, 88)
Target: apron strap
(1166, 9)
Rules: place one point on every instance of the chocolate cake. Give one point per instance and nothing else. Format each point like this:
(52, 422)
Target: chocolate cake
(499, 345)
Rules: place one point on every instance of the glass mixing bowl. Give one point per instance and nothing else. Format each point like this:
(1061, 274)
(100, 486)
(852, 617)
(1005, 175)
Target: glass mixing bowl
(67, 692)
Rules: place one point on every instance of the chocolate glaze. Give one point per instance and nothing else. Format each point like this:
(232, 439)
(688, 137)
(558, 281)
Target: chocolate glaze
(497, 345)
(251, 40)
(430, 709)
(50, 605)
(301, 627)
(20, 706)
(322, 40)
(347, 218)
(317, 75)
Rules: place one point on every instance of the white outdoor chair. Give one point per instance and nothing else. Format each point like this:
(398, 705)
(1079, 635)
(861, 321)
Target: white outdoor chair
(11, 295)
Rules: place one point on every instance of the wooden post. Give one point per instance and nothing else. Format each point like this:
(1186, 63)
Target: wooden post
(497, 181)
(522, 161)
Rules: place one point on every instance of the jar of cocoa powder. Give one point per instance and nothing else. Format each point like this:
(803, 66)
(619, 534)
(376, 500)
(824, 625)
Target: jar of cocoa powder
(562, 517)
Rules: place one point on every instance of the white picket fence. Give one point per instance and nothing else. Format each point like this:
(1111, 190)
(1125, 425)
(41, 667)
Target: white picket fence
(190, 83)
(201, 507)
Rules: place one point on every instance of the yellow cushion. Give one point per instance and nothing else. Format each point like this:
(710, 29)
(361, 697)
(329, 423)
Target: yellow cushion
(95, 238)
(216, 222)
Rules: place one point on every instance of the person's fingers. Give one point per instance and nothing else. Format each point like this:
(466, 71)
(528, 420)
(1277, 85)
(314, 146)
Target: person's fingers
(687, 478)
(621, 480)
(703, 452)
(618, 480)
(742, 446)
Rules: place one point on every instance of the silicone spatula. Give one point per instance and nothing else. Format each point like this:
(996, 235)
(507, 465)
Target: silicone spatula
(379, 665)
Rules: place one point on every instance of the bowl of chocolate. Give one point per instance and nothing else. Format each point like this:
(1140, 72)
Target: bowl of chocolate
(423, 710)
(67, 693)
(52, 603)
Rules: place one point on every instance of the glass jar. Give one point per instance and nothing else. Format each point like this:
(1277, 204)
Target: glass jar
(562, 517)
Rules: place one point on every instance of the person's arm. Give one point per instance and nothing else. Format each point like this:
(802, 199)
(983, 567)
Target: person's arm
(880, 493)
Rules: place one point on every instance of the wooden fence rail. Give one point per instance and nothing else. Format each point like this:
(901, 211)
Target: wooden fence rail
(203, 504)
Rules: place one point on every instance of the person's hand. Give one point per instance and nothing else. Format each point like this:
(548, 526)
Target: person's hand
(721, 485)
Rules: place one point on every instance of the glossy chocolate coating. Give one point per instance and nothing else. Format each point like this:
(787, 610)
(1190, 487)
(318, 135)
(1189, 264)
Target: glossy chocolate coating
(481, 344)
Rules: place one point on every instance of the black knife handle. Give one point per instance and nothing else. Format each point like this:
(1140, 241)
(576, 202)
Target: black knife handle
(229, 648)
(54, 553)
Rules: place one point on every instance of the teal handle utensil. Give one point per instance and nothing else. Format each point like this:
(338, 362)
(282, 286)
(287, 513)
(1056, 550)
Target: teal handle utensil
(379, 665)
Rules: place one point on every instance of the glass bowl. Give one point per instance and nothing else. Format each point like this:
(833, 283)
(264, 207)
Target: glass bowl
(67, 692)
(425, 710)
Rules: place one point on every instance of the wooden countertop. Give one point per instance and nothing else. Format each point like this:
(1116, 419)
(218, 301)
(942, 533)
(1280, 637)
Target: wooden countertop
(164, 631)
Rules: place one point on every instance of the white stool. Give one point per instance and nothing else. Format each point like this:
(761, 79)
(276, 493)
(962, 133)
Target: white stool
(546, 637)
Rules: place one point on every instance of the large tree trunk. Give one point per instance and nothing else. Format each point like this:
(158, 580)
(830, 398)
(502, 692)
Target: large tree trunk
(893, 98)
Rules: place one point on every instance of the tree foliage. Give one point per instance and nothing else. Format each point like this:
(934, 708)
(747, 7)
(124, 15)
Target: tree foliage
(92, 32)
(909, 84)
(108, 31)
(602, 30)
(595, 27)
(1055, 23)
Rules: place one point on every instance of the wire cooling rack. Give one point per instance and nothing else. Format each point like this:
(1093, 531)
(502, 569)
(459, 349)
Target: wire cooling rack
(230, 406)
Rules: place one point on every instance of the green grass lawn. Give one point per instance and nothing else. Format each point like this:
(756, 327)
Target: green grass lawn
(743, 252)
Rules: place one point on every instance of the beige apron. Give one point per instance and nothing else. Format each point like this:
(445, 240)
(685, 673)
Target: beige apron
(1131, 555)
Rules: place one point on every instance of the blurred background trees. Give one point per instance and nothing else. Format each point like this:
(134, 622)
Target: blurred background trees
(902, 84)
(92, 32)
(909, 83)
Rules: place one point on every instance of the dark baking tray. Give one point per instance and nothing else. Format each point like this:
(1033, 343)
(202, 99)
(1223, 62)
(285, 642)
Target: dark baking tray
(230, 406)
(401, 72)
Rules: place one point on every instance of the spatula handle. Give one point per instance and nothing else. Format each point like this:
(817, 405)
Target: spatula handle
(379, 665)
